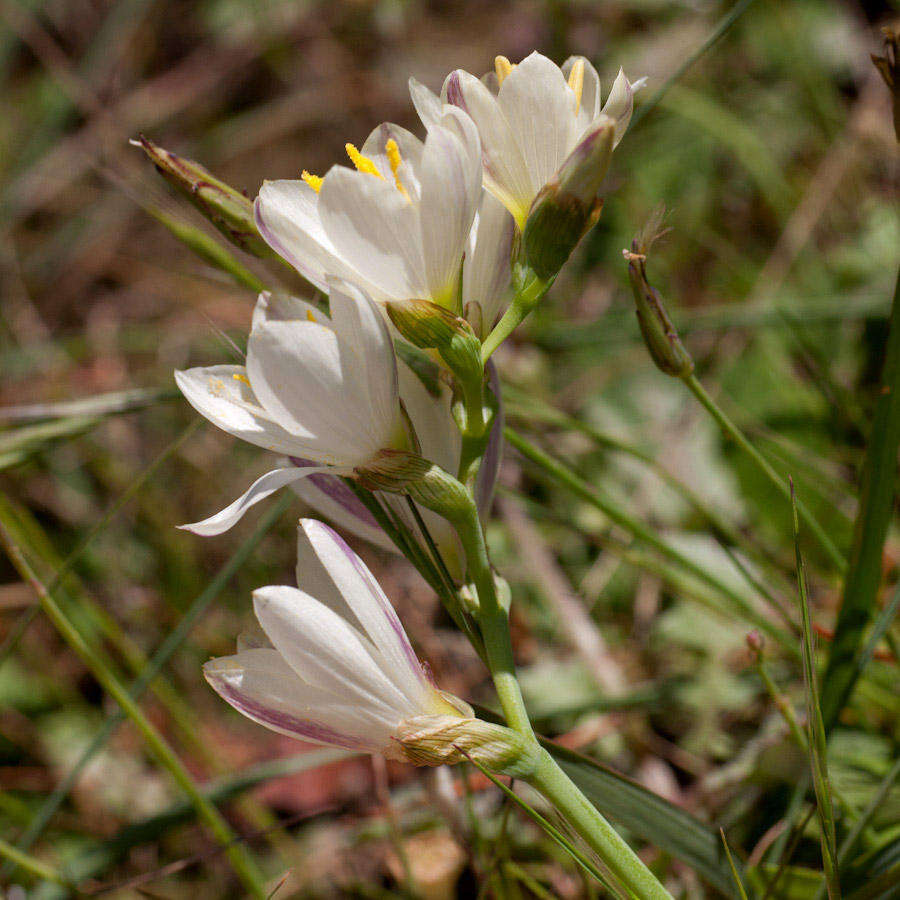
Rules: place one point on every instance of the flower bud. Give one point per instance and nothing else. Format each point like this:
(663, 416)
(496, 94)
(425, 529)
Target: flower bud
(431, 327)
(567, 206)
(657, 329)
(229, 210)
(446, 740)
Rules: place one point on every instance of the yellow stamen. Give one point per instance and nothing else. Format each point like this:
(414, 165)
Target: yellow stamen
(237, 376)
(362, 163)
(394, 158)
(502, 66)
(314, 181)
(309, 316)
(576, 82)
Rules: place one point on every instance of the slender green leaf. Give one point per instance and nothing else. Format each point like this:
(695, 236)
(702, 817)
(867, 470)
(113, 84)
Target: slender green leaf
(818, 749)
(737, 878)
(877, 488)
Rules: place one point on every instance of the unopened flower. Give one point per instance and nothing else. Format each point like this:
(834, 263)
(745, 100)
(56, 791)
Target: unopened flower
(534, 119)
(322, 391)
(397, 225)
(333, 665)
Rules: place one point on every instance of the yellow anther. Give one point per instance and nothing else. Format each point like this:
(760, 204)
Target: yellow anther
(395, 159)
(502, 66)
(237, 376)
(362, 163)
(309, 316)
(576, 82)
(314, 181)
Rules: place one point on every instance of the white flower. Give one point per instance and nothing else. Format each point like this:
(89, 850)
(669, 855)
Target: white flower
(324, 391)
(335, 666)
(532, 121)
(397, 226)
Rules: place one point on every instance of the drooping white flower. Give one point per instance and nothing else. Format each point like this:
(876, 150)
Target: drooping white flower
(335, 665)
(322, 391)
(397, 225)
(531, 121)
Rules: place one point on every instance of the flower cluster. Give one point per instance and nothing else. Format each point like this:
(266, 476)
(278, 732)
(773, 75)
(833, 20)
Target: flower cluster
(385, 410)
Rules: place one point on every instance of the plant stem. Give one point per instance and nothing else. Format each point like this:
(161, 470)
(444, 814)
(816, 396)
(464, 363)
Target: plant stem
(622, 862)
(494, 623)
(730, 429)
(242, 863)
(522, 304)
(35, 866)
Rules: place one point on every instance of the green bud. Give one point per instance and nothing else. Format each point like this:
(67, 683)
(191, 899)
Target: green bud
(567, 206)
(445, 740)
(657, 329)
(431, 327)
(229, 210)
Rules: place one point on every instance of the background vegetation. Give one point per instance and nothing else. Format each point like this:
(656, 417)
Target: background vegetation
(775, 154)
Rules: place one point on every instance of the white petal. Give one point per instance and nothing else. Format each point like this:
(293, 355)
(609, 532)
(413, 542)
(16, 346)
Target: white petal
(589, 108)
(287, 216)
(260, 489)
(262, 686)
(427, 103)
(620, 105)
(451, 188)
(430, 416)
(326, 651)
(370, 222)
(367, 358)
(223, 395)
(505, 173)
(540, 109)
(410, 147)
(276, 306)
(487, 273)
(298, 375)
(329, 496)
(330, 571)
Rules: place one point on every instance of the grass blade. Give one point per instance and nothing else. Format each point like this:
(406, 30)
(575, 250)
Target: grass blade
(815, 725)
(878, 484)
(737, 878)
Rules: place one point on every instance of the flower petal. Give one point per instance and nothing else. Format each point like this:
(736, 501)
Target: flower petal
(326, 651)
(330, 571)
(410, 148)
(486, 273)
(620, 105)
(276, 306)
(505, 172)
(287, 217)
(428, 105)
(451, 189)
(260, 489)
(223, 395)
(329, 496)
(540, 109)
(369, 221)
(589, 107)
(299, 376)
(262, 686)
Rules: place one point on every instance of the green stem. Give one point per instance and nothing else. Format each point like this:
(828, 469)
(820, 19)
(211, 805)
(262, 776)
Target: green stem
(766, 468)
(494, 622)
(242, 863)
(522, 304)
(31, 864)
(623, 864)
